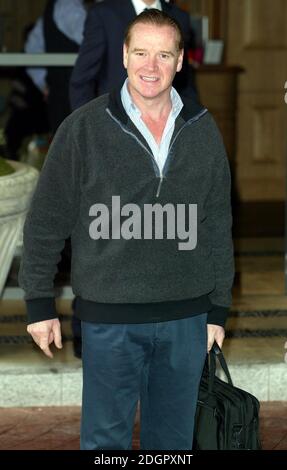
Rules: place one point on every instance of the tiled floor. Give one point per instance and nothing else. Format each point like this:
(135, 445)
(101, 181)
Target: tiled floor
(57, 428)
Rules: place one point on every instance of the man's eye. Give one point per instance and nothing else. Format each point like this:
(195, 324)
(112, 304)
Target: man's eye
(140, 54)
(164, 56)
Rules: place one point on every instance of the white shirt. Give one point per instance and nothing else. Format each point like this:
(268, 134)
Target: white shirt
(140, 5)
(160, 151)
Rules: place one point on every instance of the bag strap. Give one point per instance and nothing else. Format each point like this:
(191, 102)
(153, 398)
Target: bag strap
(216, 353)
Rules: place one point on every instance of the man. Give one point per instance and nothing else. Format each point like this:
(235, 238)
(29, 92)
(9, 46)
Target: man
(99, 68)
(146, 286)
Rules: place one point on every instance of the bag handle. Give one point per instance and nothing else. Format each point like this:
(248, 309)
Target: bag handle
(216, 353)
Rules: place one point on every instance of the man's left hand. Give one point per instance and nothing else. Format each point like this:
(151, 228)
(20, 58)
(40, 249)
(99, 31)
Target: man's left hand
(215, 333)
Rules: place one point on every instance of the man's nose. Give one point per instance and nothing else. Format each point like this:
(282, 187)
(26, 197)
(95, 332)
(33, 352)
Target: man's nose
(152, 62)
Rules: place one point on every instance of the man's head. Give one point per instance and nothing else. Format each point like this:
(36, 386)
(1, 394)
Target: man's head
(153, 53)
(156, 18)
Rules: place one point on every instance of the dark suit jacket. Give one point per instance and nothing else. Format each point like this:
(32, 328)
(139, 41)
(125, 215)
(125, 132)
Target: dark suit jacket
(99, 66)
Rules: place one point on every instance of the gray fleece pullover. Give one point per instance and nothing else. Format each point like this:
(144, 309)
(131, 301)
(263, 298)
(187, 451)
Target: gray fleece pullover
(97, 155)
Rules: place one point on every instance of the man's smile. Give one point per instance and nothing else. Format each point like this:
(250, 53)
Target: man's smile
(145, 78)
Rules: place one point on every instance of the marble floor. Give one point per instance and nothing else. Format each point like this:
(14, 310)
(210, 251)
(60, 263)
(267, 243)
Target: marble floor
(57, 428)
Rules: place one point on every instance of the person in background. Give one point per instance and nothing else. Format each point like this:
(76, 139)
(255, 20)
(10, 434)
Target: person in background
(152, 295)
(99, 68)
(60, 29)
(28, 109)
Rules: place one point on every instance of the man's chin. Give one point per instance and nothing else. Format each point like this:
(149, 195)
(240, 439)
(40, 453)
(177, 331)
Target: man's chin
(150, 91)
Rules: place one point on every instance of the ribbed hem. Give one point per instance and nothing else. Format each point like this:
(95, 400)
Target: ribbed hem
(96, 312)
(87, 310)
(217, 315)
(41, 309)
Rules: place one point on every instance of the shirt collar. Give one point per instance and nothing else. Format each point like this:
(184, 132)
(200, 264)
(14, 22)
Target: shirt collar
(130, 107)
(139, 5)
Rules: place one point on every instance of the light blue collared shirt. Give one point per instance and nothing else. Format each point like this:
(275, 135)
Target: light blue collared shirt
(160, 151)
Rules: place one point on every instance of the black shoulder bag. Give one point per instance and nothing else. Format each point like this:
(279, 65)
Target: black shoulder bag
(227, 418)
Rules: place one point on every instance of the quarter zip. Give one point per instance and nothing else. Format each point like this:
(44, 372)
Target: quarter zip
(159, 186)
(159, 173)
(127, 131)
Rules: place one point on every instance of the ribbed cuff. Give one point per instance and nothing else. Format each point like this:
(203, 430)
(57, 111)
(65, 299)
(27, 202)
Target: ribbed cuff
(41, 309)
(218, 315)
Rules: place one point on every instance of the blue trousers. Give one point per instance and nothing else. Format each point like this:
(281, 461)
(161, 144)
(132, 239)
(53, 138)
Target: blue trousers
(159, 364)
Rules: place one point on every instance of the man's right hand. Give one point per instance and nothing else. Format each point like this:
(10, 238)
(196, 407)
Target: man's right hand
(46, 332)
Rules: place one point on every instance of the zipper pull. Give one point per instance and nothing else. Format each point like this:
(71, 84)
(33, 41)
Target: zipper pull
(159, 186)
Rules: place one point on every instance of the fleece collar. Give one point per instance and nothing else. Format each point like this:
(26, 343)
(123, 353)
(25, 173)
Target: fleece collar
(190, 109)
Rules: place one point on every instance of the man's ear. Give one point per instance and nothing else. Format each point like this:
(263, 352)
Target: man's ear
(125, 56)
(179, 61)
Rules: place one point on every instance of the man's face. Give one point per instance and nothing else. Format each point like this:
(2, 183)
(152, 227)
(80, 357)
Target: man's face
(152, 60)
